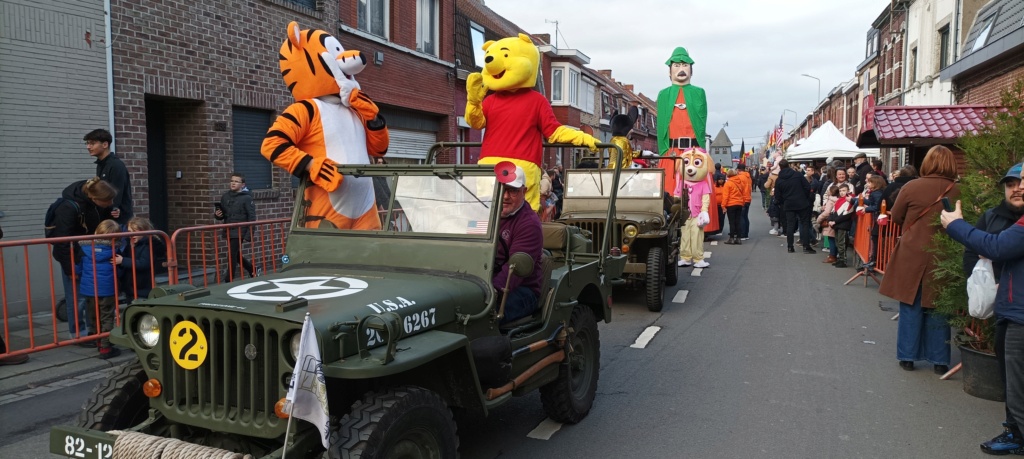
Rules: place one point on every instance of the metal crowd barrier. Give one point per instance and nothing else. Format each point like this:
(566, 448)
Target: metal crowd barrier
(196, 255)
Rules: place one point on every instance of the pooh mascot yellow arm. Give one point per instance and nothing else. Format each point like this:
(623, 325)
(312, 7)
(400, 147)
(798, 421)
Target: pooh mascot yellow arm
(518, 119)
(332, 122)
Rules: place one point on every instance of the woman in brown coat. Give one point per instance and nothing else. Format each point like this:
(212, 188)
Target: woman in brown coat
(921, 335)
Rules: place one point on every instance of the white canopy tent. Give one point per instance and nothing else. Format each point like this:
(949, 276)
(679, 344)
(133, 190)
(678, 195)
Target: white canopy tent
(827, 142)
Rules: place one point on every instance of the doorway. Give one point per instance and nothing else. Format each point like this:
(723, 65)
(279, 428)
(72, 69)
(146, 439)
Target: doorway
(156, 162)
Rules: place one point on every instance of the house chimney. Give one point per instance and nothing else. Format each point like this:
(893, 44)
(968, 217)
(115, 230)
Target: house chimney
(543, 37)
(606, 72)
(629, 87)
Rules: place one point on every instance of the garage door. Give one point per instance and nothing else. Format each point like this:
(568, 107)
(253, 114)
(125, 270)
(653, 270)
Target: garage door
(409, 146)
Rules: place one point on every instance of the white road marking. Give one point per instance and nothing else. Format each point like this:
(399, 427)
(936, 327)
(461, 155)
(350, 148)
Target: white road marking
(680, 296)
(696, 272)
(714, 242)
(545, 430)
(707, 255)
(645, 337)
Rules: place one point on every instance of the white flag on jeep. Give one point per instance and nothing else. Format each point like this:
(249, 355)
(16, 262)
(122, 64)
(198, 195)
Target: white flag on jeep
(308, 391)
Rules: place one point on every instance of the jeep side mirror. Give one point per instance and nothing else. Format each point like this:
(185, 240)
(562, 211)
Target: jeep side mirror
(521, 264)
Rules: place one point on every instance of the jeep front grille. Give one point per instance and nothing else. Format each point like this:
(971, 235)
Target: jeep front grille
(229, 389)
(596, 228)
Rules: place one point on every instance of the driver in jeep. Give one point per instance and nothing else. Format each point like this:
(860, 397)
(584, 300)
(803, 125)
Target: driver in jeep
(519, 231)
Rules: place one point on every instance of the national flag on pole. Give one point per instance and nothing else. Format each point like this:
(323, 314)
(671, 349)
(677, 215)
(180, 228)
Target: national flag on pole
(779, 132)
(307, 394)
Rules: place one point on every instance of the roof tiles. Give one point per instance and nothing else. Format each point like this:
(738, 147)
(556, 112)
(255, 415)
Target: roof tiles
(927, 122)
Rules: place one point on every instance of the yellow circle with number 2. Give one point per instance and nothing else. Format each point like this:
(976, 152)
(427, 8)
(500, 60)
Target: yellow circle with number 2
(188, 345)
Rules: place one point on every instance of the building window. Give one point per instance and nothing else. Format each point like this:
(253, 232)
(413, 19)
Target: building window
(587, 104)
(371, 17)
(311, 4)
(476, 32)
(983, 36)
(574, 88)
(556, 85)
(944, 49)
(426, 26)
(912, 76)
(248, 128)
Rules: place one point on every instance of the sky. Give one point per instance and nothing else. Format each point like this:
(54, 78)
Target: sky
(749, 54)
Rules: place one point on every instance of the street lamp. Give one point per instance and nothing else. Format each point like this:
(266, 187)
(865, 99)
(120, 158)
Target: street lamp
(794, 116)
(819, 87)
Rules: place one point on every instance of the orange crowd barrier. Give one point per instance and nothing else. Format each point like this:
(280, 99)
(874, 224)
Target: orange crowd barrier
(34, 306)
(33, 264)
(206, 253)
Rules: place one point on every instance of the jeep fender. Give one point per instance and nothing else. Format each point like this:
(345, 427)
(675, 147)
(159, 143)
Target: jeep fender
(437, 360)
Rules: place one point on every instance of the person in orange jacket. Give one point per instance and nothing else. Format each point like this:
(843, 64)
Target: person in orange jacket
(720, 197)
(732, 200)
(748, 192)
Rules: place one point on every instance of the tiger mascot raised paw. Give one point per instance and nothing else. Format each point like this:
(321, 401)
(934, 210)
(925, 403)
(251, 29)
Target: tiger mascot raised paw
(332, 122)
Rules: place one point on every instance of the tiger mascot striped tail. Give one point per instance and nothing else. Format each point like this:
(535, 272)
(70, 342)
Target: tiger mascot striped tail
(332, 122)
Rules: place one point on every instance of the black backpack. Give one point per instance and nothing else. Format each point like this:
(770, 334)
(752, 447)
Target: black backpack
(51, 215)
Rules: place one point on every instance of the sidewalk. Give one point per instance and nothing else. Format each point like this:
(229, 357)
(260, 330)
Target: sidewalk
(45, 367)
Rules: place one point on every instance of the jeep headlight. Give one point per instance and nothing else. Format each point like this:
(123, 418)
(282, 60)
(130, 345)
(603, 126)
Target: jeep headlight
(293, 345)
(148, 329)
(630, 231)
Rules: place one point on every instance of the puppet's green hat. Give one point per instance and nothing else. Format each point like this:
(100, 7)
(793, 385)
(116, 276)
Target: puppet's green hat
(679, 55)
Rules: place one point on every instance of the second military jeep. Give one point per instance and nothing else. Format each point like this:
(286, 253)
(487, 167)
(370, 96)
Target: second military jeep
(405, 319)
(646, 224)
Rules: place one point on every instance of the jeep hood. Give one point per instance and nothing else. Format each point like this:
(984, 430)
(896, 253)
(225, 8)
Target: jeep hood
(337, 295)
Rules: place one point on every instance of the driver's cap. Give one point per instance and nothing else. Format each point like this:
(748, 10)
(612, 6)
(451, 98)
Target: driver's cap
(510, 174)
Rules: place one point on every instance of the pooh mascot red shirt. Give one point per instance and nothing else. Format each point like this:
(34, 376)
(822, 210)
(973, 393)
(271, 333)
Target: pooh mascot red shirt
(517, 118)
(332, 122)
(694, 168)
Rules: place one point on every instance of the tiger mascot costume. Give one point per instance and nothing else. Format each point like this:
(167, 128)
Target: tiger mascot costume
(332, 122)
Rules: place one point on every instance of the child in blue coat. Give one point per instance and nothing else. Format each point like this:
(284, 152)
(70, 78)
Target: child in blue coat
(98, 284)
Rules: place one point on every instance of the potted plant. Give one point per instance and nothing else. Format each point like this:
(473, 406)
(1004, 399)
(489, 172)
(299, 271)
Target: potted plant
(988, 153)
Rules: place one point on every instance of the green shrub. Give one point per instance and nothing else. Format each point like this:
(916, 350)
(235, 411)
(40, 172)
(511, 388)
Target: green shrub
(989, 153)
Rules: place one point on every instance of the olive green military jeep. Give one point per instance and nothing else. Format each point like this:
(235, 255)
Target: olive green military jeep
(406, 323)
(645, 228)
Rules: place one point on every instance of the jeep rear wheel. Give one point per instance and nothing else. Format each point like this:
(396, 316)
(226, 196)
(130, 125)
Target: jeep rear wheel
(654, 279)
(118, 402)
(404, 422)
(569, 398)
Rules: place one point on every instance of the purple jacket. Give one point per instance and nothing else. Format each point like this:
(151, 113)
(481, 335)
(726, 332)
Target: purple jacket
(519, 232)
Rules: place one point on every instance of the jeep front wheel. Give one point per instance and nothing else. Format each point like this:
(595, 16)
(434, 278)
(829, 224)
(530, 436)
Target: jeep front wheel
(569, 398)
(654, 279)
(118, 402)
(403, 422)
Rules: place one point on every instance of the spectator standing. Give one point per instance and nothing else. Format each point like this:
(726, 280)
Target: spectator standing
(747, 192)
(85, 204)
(995, 236)
(732, 192)
(762, 178)
(140, 260)
(828, 233)
(861, 169)
(237, 206)
(876, 168)
(921, 334)
(794, 193)
(900, 178)
(98, 285)
(557, 189)
(112, 170)
(547, 204)
(872, 207)
(841, 220)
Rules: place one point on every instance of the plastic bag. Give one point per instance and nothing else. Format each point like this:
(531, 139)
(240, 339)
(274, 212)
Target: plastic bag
(981, 290)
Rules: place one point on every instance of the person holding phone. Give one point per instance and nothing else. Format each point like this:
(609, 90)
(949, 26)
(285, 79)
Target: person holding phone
(236, 206)
(921, 334)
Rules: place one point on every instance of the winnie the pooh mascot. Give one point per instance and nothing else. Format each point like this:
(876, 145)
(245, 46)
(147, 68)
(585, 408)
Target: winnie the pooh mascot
(517, 118)
(332, 122)
(694, 168)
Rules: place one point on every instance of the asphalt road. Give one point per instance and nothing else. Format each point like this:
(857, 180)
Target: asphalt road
(768, 356)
